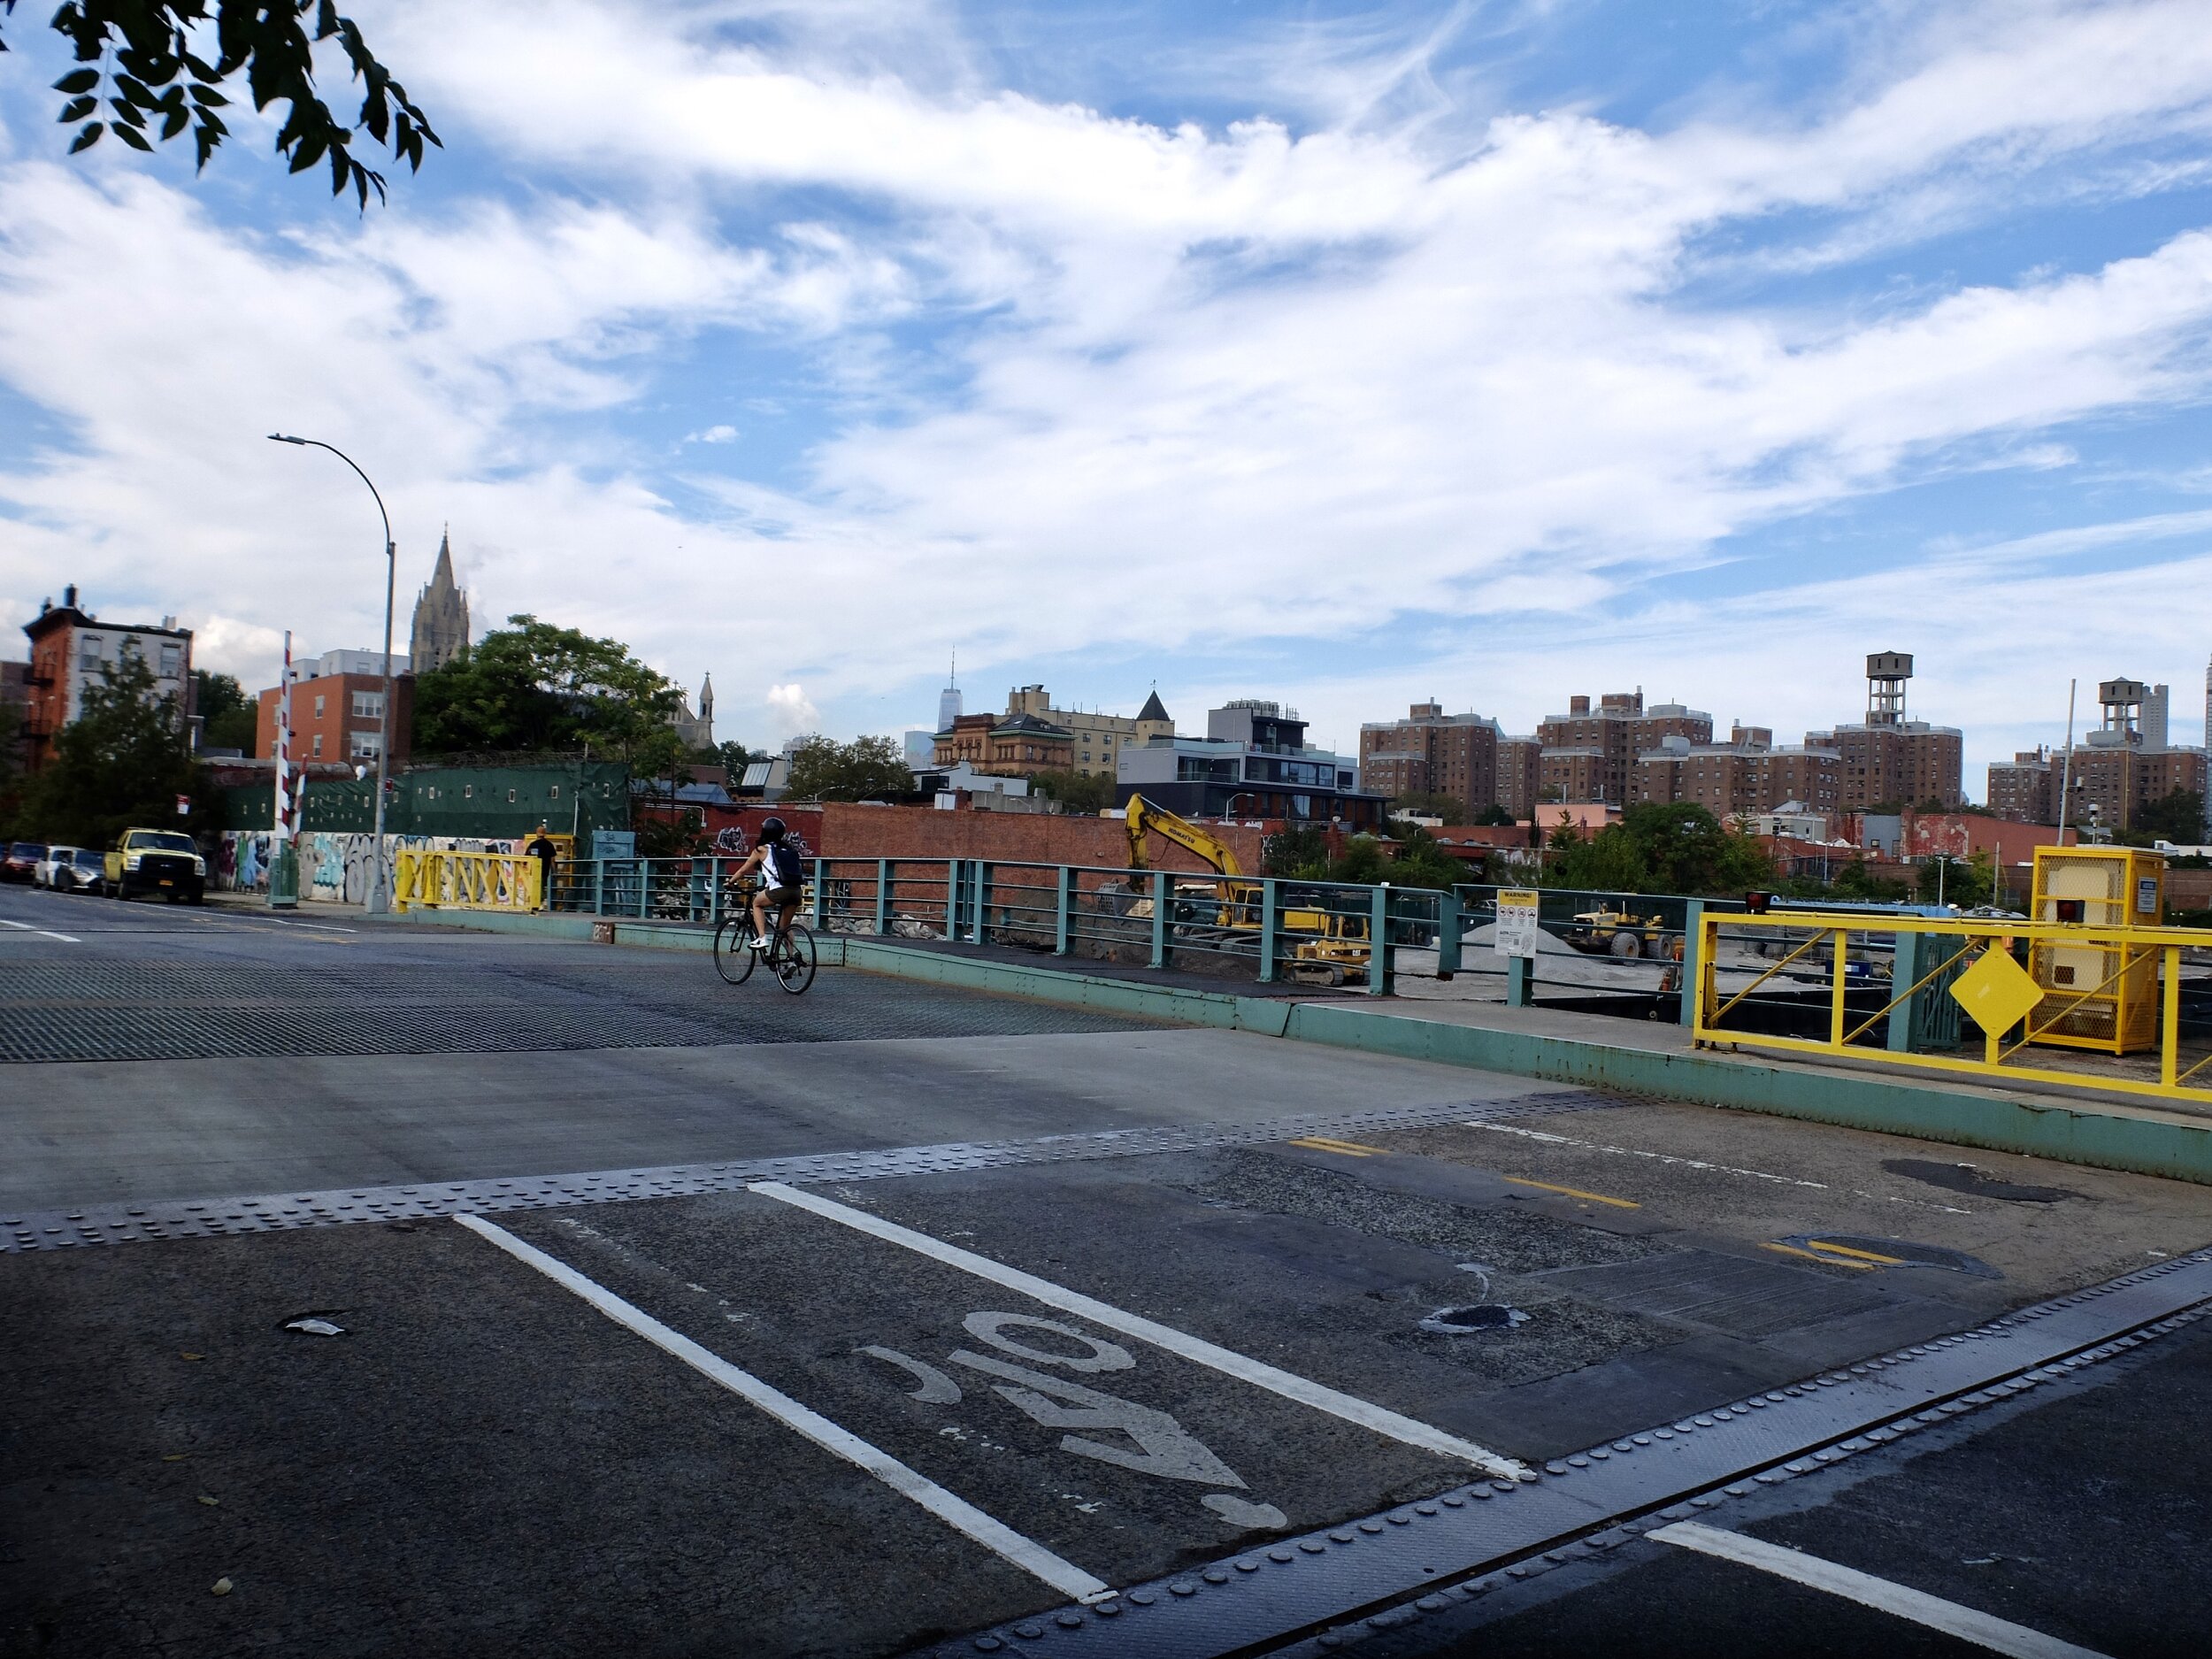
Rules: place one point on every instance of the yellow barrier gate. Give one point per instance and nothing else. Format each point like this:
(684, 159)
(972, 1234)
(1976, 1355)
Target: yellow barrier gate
(2016, 1014)
(425, 878)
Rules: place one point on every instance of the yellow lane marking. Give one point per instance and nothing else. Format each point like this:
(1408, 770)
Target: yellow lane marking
(1576, 1192)
(1350, 1148)
(1814, 1256)
(1826, 1248)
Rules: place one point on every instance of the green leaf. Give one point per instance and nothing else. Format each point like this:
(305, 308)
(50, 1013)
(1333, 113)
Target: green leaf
(307, 152)
(125, 114)
(78, 81)
(76, 109)
(171, 124)
(136, 139)
(87, 138)
(207, 98)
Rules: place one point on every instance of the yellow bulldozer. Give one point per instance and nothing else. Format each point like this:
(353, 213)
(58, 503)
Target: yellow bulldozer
(1323, 948)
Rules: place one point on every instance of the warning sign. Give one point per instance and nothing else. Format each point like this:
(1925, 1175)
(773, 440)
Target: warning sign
(1516, 922)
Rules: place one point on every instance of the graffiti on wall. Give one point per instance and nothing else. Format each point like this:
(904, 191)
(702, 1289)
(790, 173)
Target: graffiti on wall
(334, 864)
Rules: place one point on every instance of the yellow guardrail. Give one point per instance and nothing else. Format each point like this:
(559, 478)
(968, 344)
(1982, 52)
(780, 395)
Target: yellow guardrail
(2030, 987)
(426, 878)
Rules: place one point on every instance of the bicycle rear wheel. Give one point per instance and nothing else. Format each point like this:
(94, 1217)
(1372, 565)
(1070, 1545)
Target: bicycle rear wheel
(734, 949)
(795, 961)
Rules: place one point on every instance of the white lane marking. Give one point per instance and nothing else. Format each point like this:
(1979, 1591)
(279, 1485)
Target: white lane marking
(1030, 1557)
(1699, 1163)
(66, 938)
(1406, 1430)
(1983, 1629)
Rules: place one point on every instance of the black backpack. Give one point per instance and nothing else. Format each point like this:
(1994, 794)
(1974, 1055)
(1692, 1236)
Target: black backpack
(788, 868)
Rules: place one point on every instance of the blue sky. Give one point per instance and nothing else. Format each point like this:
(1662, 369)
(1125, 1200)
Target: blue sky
(1348, 354)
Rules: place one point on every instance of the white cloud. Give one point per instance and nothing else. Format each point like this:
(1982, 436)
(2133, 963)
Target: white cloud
(1094, 384)
(790, 713)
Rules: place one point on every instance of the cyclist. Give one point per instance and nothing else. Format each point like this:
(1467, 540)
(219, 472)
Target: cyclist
(782, 874)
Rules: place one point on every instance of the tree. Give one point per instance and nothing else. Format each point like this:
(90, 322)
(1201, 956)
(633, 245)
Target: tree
(1303, 852)
(867, 768)
(1080, 792)
(1659, 846)
(121, 762)
(1422, 862)
(144, 52)
(226, 714)
(1964, 882)
(536, 686)
(2177, 817)
(1496, 815)
(1427, 804)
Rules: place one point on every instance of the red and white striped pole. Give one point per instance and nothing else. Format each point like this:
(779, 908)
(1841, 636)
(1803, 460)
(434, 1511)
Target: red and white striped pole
(283, 865)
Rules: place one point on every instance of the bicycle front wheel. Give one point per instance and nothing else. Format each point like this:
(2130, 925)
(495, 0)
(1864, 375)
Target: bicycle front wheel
(795, 961)
(734, 949)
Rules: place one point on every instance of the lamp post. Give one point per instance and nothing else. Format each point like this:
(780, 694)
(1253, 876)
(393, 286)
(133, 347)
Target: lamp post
(378, 899)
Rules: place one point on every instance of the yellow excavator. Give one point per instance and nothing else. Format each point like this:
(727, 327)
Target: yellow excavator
(1324, 947)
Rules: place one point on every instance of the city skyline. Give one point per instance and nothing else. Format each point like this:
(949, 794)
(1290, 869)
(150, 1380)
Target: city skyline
(1350, 359)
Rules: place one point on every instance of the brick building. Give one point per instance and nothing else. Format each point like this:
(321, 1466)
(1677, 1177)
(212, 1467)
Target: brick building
(1745, 776)
(1006, 745)
(340, 717)
(2111, 786)
(1590, 753)
(2024, 789)
(1520, 775)
(1887, 759)
(1429, 752)
(70, 648)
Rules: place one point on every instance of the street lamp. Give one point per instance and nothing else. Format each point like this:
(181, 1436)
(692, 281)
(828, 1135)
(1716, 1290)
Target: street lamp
(378, 898)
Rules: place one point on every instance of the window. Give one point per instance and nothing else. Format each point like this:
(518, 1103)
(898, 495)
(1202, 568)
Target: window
(319, 744)
(368, 705)
(553, 792)
(89, 649)
(468, 792)
(172, 659)
(510, 795)
(318, 711)
(366, 744)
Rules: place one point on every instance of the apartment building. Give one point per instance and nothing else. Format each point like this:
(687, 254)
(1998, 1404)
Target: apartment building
(1429, 752)
(1097, 739)
(71, 649)
(1590, 753)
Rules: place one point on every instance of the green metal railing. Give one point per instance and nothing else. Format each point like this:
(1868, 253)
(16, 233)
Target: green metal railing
(1264, 928)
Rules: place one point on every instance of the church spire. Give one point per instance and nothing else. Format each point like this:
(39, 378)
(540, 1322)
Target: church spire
(441, 615)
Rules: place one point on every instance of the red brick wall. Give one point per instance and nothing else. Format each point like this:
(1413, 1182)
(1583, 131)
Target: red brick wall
(913, 832)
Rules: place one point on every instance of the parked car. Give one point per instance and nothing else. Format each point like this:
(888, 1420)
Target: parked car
(54, 868)
(88, 873)
(18, 862)
(156, 861)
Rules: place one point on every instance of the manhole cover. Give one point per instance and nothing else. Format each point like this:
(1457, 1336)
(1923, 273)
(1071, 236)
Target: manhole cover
(1488, 1316)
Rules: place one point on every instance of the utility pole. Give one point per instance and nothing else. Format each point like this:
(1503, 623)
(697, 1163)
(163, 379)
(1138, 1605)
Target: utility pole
(2066, 773)
(379, 897)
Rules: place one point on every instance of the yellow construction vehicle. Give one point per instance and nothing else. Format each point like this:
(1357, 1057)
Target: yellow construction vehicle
(1324, 947)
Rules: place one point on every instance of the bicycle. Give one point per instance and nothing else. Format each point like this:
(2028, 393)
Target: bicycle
(790, 955)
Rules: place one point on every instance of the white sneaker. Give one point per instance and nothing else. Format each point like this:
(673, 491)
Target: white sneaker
(760, 944)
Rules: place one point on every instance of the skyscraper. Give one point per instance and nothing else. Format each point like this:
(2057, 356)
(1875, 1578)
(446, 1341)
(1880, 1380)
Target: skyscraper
(948, 709)
(441, 615)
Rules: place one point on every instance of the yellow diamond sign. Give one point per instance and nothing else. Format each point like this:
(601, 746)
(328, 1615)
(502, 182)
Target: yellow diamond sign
(1997, 991)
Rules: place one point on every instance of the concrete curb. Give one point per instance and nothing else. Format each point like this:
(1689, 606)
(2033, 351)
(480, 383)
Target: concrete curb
(2112, 1136)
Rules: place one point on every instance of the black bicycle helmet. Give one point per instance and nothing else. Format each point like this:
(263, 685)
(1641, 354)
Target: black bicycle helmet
(772, 829)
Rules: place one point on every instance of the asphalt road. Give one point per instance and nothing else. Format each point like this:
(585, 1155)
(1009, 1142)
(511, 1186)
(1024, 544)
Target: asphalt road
(1095, 1316)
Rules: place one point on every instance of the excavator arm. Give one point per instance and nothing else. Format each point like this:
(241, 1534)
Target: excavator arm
(1143, 817)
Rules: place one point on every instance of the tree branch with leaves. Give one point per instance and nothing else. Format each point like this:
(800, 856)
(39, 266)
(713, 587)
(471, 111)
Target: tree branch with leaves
(145, 76)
